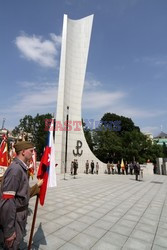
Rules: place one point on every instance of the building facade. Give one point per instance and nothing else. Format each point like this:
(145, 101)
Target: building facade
(161, 139)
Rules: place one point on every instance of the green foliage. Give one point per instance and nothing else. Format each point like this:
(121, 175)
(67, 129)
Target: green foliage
(36, 128)
(108, 145)
(126, 123)
(88, 135)
(128, 143)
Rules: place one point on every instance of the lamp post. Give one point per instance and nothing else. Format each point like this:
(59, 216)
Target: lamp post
(66, 145)
(3, 123)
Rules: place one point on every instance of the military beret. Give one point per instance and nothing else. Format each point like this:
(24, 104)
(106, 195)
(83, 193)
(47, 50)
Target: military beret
(22, 145)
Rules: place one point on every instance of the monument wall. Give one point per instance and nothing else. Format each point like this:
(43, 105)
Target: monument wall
(74, 54)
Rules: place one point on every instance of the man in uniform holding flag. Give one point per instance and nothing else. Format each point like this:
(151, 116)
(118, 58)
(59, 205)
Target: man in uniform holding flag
(15, 196)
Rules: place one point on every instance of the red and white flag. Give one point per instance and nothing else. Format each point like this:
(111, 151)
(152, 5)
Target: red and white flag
(4, 152)
(47, 170)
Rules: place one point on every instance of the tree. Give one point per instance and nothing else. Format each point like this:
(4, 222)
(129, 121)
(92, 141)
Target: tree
(88, 136)
(36, 128)
(107, 145)
(154, 151)
(126, 124)
(128, 143)
(40, 133)
(27, 124)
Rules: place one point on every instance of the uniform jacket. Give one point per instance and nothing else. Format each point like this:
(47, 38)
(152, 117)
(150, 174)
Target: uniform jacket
(14, 195)
(137, 168)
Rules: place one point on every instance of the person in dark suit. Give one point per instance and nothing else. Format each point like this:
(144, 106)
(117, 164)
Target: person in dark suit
(136, 167)
(92, 167)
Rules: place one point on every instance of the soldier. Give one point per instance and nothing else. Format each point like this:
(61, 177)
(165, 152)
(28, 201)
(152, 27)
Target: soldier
(92, 167)
(15, 196)
(136, 170)
(119, 167)
(72, 167)
(126, 167)
(108, 167)
(75, 167)
(97, 167)
(112, 168)
(131, 168)
(87, 166)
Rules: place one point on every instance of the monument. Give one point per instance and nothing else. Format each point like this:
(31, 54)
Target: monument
(70, 140)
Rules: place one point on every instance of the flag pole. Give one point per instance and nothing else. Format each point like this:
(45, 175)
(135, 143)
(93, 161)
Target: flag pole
(33, 223)
(66, 145)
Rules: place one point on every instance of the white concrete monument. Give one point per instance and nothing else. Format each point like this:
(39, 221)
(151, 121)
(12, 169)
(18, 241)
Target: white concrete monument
(72, 144)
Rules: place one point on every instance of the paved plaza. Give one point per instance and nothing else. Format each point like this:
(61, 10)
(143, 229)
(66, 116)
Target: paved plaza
(103, 212)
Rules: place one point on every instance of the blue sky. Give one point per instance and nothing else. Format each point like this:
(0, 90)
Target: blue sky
(127, 63)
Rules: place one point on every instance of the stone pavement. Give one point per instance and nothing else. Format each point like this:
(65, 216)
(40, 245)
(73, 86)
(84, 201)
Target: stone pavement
(102, 212)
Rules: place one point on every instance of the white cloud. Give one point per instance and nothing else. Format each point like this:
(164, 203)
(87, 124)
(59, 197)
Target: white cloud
(114, 102)
(56, 39)
(35, 48)
(90, 84)
(40, 97)
(101, 99)
(135, 112)
(35, 86)
(150, 129)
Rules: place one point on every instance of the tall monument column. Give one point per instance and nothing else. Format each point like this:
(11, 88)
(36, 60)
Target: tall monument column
(71, 144)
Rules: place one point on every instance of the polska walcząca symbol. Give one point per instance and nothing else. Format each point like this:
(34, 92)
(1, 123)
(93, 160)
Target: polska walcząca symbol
(79, 145)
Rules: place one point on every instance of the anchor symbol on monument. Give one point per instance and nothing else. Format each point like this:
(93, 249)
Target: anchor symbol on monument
(78, 146)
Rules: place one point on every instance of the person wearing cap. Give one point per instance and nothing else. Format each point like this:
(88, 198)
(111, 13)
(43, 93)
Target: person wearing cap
(15, 194)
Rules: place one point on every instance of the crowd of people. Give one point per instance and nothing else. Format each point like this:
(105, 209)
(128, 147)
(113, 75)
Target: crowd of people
(93, 169)
(132, 168)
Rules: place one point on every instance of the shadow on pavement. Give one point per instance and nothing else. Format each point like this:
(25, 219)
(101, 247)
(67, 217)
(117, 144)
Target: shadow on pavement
(135, 180)
(39, 238)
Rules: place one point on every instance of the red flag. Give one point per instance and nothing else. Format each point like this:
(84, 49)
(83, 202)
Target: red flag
(46, 170)
(4, 152)
(43, 172)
